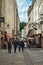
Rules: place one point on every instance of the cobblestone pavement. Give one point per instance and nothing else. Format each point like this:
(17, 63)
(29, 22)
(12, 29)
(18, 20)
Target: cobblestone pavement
(28, 57)
(11, 59)
(36, 56)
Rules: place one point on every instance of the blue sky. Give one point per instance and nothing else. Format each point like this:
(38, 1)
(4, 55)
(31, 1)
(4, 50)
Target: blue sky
(23, 6)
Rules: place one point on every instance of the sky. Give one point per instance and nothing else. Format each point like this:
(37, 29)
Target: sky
(23, 6)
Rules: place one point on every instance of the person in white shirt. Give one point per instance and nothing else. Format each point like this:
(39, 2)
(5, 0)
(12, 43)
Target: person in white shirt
(25, 45)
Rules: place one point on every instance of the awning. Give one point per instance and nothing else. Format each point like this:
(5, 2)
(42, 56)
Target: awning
(30, 38)
(9, 36)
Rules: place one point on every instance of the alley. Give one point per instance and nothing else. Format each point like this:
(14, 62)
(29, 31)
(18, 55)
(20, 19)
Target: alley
(21, 26)
(28, 57)
(36, 56)
(11, 59)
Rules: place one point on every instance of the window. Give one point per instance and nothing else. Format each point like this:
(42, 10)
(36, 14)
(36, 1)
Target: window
(41, 14)
(39, 3)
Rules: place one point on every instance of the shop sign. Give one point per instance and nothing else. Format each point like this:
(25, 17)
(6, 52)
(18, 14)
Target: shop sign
(2, 19)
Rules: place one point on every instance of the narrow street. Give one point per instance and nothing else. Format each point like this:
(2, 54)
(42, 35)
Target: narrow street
(21, 26)
(11, 59)
(36, 56)
(28, 57)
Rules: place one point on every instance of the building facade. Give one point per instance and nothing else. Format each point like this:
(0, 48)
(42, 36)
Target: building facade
(2, 19)
(35, 21)
(11, 17)
(9, 11)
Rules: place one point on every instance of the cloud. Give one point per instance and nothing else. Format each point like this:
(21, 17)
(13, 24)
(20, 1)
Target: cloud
(22, 9)
(23, 17)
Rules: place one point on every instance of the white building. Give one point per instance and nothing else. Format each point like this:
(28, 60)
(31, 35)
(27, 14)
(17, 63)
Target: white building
(35, 15)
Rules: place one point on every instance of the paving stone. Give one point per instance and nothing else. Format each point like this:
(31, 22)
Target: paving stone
(11, 59)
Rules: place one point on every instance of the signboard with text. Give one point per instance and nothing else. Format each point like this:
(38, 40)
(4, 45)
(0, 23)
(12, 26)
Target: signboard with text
(2, 19)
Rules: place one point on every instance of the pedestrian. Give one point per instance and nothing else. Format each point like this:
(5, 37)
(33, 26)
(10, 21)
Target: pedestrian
(15, 45)
(9, 46)
(30, 42)
(19, 46)
(25, 44)
(22, 45)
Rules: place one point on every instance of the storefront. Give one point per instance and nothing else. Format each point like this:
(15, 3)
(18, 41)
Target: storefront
(38, 39)
(4, 40)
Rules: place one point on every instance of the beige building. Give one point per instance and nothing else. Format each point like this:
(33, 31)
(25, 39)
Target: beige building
(11, 16)
(2, 19)
(41, 18)
(35, 21)
(9, 11)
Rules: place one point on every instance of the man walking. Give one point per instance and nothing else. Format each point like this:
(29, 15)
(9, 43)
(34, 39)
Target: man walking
(9, 46)
(19, 46)
(22, 45)
(15, 45)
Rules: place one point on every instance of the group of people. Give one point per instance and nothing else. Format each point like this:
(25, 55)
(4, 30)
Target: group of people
(16, 44)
